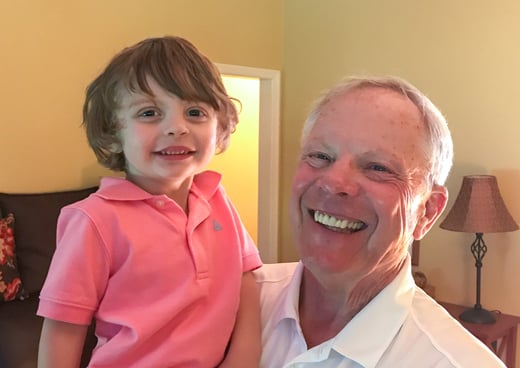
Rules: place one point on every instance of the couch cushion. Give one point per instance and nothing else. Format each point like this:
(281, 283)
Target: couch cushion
(35, 228)
(20, 330)
(11, 287)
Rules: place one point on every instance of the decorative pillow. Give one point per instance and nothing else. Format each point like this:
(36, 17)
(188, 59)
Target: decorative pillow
(36, 216)
(10, 282)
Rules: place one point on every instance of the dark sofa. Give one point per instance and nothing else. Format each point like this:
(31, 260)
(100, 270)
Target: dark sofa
(35, 237)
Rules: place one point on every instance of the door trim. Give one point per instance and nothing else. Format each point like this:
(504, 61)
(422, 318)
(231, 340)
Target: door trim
(268, 155)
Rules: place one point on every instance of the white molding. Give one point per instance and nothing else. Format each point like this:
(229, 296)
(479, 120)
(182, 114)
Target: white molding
(269, 159)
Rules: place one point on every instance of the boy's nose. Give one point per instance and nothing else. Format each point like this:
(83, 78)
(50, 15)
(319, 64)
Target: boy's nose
(176, 126)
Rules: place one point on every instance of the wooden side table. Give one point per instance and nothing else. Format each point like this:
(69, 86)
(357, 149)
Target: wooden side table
(500, 336)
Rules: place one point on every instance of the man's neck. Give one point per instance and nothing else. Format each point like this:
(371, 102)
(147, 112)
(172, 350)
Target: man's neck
(327, 304)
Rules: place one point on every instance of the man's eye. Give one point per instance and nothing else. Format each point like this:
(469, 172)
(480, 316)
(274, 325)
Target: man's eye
(318, 159)
(320, 156)
(379, 168)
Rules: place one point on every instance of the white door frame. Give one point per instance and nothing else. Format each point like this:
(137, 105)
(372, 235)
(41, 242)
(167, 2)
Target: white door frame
(268, 155)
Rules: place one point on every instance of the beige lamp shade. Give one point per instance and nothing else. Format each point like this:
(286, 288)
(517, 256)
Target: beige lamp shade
(479, 208)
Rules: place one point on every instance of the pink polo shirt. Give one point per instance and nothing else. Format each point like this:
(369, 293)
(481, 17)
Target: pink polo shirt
(163, 286)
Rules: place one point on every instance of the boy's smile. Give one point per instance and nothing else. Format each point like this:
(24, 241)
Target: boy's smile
(175, 153)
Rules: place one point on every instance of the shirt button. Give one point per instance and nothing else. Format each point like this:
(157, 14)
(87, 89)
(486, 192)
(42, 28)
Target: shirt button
(159, 203)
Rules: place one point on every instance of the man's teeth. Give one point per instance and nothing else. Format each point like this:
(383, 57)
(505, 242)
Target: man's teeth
(332, 221)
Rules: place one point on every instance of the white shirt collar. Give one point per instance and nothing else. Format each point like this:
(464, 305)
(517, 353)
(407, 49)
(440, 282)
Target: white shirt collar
(361, 339)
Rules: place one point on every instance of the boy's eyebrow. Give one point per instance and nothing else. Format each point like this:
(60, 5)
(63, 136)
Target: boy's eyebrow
(137, 99)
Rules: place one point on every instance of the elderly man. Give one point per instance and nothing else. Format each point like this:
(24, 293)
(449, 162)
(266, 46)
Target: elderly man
(374, 159)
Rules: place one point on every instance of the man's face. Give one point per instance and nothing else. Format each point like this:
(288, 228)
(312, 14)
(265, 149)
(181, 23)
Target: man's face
(359, 194)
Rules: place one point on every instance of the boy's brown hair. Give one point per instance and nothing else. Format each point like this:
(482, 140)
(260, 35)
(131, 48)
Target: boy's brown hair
(177, 66)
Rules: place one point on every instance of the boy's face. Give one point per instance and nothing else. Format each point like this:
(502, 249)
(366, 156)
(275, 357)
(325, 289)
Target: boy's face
(165, 140)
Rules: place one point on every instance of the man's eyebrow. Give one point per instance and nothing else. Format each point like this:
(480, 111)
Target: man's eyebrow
(383, 157)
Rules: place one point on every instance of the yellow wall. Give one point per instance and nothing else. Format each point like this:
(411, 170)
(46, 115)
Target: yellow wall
(51, 49)
(465, 56)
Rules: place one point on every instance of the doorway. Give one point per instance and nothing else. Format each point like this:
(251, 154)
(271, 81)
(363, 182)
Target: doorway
(265, 196)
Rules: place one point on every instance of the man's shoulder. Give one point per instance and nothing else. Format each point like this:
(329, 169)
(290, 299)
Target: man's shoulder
(447, 336)
(275, 272)
(274, 282)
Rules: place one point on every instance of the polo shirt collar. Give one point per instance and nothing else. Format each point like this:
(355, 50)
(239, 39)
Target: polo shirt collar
(367, 336)
(204, 185)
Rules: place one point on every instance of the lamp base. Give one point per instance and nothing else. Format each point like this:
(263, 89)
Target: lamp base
(478, 315)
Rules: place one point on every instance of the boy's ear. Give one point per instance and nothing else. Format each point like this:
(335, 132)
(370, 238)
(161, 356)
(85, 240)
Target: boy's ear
(433, 208)
(115, 147)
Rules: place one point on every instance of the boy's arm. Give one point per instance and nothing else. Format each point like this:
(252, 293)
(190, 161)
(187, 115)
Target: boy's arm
(61, 344)
(245, 345)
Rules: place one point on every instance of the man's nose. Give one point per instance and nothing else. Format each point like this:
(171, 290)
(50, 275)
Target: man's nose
(341, 178)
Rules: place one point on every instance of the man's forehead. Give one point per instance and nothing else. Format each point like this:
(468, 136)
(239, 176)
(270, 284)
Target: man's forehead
(378, 104)
(378, 116)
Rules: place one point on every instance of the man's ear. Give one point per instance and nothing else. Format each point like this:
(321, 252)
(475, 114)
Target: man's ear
(433, 208)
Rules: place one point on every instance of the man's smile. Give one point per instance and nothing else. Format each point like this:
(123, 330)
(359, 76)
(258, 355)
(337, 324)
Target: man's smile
(337, 224)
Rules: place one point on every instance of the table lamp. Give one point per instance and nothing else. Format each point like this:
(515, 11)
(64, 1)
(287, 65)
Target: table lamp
(479, 208)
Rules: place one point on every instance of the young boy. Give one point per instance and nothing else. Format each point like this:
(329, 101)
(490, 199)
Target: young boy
(160, 258)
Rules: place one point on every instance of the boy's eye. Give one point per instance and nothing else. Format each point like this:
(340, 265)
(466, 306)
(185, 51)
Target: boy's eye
(195, 112)
(148, 113)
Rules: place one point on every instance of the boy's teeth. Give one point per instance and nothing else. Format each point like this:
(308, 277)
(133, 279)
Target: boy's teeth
(173, 153)
(332, 221)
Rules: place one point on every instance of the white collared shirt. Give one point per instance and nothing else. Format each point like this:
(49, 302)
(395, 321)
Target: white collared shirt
(401, 327)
